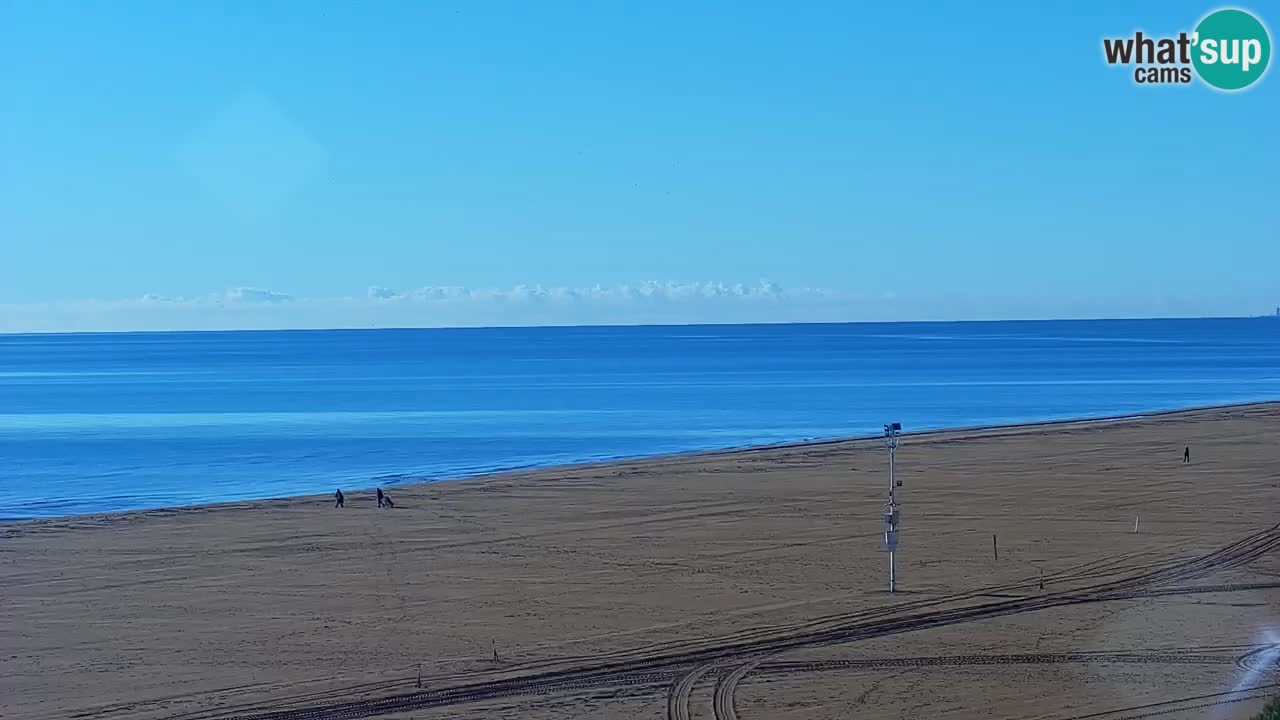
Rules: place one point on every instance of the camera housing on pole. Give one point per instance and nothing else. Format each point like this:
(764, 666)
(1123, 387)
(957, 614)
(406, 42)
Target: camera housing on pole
(892, 518)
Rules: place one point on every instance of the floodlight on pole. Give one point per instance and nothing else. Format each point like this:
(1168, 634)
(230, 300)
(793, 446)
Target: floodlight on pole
(891, 518)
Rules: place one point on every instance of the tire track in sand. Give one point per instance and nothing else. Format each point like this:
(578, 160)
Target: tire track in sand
(678, 695)
(744, 647)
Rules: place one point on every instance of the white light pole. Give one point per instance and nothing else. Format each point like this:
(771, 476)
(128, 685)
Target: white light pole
(891, 433)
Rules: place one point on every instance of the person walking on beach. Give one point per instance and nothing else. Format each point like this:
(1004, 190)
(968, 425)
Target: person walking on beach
(381, 497)
(386, 501)
(338, 500)
(1186, 454)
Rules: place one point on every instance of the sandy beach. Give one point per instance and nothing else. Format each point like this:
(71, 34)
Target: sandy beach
(744, 584)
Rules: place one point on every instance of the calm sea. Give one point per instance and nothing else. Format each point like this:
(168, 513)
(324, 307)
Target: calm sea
(98, 422)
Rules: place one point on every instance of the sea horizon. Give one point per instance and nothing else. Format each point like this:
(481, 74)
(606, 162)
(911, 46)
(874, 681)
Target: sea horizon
(643, 324)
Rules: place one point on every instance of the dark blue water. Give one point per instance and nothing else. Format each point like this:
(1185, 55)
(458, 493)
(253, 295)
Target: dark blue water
(100, 422)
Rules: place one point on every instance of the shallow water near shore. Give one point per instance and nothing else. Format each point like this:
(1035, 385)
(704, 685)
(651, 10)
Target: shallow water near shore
(105, 422)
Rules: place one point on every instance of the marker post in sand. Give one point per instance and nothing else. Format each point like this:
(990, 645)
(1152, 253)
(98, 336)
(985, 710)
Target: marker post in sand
(891, 433)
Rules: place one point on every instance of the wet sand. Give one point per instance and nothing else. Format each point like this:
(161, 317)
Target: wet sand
(740, 584)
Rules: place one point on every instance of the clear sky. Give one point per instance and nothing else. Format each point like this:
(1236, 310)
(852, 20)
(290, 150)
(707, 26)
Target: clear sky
(894, 160)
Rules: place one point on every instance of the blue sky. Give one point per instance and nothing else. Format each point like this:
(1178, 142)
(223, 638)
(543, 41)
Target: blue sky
(897, 160)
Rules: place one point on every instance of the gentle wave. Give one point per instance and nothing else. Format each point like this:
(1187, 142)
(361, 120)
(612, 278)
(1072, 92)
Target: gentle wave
(95, 423)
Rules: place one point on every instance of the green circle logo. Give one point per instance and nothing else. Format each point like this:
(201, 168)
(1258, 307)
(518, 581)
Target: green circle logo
(1232, 49)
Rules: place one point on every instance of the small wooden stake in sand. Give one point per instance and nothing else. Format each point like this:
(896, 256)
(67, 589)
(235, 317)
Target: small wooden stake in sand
(995, 549)
(1135, 524)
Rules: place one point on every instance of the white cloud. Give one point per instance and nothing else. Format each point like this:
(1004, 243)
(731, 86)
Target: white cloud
(256, 295)
(439, 306)
(642, 303)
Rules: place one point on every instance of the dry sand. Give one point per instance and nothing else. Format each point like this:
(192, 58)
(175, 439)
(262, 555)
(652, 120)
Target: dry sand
(650, 569)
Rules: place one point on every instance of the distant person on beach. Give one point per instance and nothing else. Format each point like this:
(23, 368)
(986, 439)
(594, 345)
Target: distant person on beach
(1186, 454)
(381, 498)
(386, 500)
(338, 499)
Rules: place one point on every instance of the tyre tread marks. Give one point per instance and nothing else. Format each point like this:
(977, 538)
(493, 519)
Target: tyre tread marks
(631, 668)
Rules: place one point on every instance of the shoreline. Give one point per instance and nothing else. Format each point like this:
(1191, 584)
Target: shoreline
(984, 431)
(256, 607)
